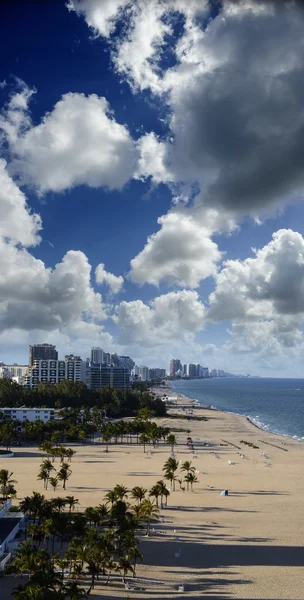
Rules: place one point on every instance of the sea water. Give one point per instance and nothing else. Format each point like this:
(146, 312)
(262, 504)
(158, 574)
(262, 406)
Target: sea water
(276, 405)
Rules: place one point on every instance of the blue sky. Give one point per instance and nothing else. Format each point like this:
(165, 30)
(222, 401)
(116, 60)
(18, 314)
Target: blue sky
(121, 121)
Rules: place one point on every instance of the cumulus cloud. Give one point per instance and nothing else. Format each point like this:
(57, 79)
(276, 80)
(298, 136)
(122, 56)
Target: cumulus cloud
(176, 315)
(270, 284)
(181, 252)
(17, 222)
(151, 163)
(35, 297)
(78, 142)
(234, 98)
(114, 282)
(100, 16)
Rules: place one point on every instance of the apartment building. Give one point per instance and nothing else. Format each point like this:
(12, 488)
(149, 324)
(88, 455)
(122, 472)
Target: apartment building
(73, 368)
(29, 414)
(42, 352)
(108, 376)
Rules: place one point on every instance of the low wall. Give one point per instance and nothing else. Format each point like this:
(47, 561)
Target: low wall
(6, 507)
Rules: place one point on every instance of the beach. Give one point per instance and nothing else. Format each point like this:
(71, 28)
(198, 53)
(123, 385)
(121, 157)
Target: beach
(248, 544)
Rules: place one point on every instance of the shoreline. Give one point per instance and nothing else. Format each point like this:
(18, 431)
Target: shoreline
(196, 404)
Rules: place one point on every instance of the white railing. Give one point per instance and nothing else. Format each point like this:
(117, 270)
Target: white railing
(5, 507)
(4, 561)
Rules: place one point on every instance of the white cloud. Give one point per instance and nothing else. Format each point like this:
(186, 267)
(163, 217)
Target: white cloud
(100, 16)
(233, 96)
(151, 163)
(16, 220)
(270, 284)
(172, 316)
(181, 252)
(35, 297)
(114, 282)
(79, 142)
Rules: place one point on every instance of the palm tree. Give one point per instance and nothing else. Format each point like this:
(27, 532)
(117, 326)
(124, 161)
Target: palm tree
(170, 464)
(33, 505)
(121, 491)
(6, 483)
(94, 562)
(29, 559)
(124, 566)
(144, 439)
(70, 453)
(43, 475)
(187, 467)
(110, 497)
(49, 529)
(191, 478)
(92, 515)
(171, 439)
(138, 493)
(106, 436)
(58, 503)
(155, 492)
(133, 554)
(170, 467)
(149, 511)
(71, 501)
(64, 474)
(166, 493)
(32, 591)
(103, 513)
(53, 481)
(162, 490)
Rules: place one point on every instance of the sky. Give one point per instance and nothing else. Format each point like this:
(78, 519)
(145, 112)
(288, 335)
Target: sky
(151, 181)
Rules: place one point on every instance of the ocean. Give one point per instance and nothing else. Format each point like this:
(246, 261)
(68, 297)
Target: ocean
(275, 405)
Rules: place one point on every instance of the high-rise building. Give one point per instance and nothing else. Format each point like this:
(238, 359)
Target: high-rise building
(97, 355)
(42, 352)
(123, 361)
(144, 373)
(175, 365)
(73, 368)
(157, 373)
(101, 375)
(192, 370)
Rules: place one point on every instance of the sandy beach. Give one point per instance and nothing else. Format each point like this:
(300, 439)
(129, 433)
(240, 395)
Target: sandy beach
(248, 544)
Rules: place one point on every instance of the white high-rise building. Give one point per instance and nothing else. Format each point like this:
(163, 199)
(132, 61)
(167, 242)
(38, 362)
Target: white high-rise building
(73, 368)
(144, 373)
(97, 355)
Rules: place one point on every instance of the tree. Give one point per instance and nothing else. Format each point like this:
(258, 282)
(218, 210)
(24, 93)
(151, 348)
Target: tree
(120, 491)
(124, 566)
(64, 474)
(171, 439)
(162, 490)
(190, 478)
(71, 502)
(149, 511)
(187, 467)
(155, 492)
(138, 493)
(170, 467)
(106, 436)
(53, 481)
(6, 483)
(110, 497)
(144, 439)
